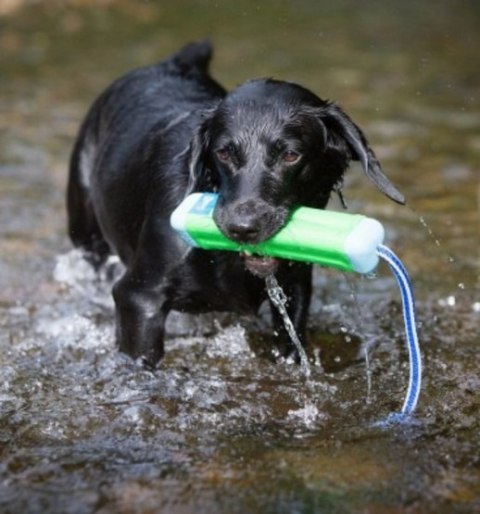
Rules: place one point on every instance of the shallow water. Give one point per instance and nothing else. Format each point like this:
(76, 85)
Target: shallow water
(224, 426)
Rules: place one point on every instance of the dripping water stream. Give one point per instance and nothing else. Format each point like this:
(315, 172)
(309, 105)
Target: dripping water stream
(279, 299)
(309, 413)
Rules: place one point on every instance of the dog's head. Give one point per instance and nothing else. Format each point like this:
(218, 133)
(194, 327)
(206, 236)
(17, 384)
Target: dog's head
(272, 145)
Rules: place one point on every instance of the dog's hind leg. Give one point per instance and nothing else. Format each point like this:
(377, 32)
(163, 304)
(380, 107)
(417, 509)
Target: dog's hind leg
(83, 227)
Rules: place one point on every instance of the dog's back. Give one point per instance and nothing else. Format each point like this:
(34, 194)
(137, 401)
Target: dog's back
(150, 111)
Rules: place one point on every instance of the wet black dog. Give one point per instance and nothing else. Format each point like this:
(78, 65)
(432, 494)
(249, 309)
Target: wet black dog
(163, 131)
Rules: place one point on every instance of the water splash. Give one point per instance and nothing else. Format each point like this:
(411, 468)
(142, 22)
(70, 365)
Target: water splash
(308, 415)
(75, 272)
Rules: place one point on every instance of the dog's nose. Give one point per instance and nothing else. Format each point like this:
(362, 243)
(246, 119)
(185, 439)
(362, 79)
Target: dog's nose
(244, 229)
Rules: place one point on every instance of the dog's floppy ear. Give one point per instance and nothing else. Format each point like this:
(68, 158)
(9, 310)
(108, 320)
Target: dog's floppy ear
(339, 123)
(200, 174)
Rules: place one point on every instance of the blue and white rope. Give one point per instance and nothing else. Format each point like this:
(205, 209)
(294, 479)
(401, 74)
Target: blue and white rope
(403, 280)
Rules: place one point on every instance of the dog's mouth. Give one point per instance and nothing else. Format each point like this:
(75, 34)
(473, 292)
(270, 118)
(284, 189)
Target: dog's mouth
(260, 265)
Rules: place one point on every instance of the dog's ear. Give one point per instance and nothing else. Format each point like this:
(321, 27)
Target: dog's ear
(339, 125)
(200, 174)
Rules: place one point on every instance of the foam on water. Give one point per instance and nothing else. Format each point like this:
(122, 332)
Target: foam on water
(308, 415)
(72, 270)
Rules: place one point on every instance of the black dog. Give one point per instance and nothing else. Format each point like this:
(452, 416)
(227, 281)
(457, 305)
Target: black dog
(161, 132)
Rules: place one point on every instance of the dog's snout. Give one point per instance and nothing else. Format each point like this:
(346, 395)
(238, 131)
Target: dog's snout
(244, 222)
(252, 221)
(243, 229)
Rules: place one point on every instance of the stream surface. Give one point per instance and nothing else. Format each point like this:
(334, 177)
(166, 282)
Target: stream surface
(224, 426)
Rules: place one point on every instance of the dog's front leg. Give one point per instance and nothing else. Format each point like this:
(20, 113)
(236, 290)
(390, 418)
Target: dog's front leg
(296, 283)
(141, 308)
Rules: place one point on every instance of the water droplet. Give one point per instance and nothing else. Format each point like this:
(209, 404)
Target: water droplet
(476, 307)
(449, 301)
(429, 230)
(461, 285)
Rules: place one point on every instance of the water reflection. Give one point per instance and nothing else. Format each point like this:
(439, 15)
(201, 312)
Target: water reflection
(223, 426)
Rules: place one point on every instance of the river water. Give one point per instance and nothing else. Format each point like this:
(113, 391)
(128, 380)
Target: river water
(223, 425)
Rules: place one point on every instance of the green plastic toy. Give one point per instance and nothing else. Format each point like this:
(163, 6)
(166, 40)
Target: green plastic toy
(344, 241)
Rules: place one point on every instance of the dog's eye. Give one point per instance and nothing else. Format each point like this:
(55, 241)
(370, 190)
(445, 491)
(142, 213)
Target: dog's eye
(223, 154)
(290, 156)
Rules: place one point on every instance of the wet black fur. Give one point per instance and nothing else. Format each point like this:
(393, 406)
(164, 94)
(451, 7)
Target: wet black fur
(163, 131)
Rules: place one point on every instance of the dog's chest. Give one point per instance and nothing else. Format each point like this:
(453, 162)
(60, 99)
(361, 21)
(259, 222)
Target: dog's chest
(213, 281)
